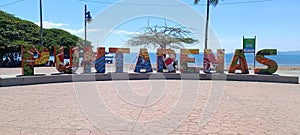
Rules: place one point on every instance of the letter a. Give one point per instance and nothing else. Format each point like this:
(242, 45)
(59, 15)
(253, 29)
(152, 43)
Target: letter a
(238, 62)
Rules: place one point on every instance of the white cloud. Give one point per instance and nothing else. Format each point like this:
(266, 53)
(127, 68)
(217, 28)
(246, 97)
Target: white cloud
(125, 32)
(49, 24)
(63, 26)
(77, 32)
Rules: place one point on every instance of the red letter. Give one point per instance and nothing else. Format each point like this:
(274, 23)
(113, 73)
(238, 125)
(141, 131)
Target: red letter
(160, 64)
(218, 63)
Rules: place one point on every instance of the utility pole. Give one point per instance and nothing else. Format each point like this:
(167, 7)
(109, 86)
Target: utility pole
(85, 12)
(41, 23)
(206, 26)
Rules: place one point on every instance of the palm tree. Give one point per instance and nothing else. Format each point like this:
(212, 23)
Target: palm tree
(214, 3)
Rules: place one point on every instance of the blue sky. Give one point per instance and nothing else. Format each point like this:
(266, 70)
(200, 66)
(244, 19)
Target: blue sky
(274, 22)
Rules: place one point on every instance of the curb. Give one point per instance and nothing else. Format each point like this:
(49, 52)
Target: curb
(44, 79)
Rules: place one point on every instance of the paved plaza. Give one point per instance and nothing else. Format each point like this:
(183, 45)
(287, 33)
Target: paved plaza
(150, 107)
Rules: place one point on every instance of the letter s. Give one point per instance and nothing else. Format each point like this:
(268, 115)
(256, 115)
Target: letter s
(271, 65)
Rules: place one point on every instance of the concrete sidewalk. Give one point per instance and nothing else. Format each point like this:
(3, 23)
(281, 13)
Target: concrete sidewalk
(219, 107)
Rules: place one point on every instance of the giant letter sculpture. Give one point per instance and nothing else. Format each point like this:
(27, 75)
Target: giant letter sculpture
(271, 65)
(119, 57)
(59, 59)
(143, 61)
(188, 65)
(218, 63)
(100, 60)
(88, 59)
(28, 60)
(238, 62)
(160, 64)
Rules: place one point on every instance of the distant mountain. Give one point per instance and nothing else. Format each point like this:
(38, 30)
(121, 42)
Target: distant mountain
(290, 53)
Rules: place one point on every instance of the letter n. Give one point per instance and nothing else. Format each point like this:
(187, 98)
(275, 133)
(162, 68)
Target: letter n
(100, 60)
(209, 58)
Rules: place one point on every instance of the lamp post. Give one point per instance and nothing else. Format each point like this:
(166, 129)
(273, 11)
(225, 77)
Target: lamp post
(86, 58)
(206, 25)
(87, 18)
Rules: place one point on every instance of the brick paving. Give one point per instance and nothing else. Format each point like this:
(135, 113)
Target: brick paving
(150, 107)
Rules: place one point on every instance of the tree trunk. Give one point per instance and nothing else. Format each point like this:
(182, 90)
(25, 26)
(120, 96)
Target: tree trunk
(1, 58)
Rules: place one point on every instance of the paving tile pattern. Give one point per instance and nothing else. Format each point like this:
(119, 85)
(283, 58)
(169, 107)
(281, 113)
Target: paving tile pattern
(244, 108)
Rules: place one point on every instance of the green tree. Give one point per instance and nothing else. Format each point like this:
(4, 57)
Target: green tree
(163, 37)
(209, 2)
(15, 32)
(57, 37)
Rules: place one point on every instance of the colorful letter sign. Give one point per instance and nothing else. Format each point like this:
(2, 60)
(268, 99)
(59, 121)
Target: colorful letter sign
(238, 62)
(119, 57)
(100, 60)
(160, 66)
(39, 55)
(88, 59)
(271, 65)
(188, 65)
(59, 59)
(143, 62)
(28, 60)
(218, 63)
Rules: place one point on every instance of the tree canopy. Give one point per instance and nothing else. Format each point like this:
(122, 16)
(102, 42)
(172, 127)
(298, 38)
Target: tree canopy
(163, 37)
(15, 32)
